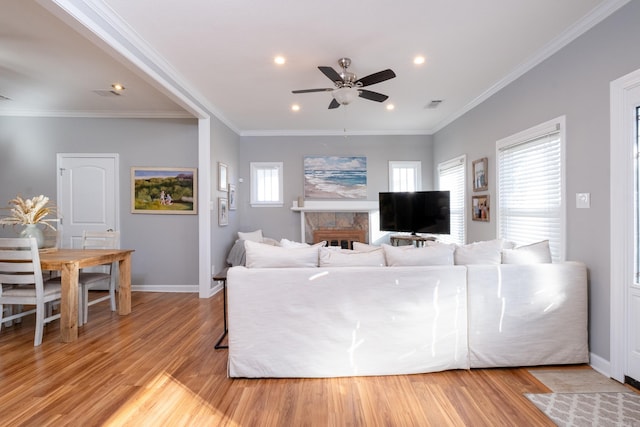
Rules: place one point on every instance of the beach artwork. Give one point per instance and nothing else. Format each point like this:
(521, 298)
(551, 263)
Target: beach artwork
(333, 177)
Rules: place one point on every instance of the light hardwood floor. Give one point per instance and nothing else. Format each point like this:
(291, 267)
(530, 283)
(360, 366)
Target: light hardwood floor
(158, 367)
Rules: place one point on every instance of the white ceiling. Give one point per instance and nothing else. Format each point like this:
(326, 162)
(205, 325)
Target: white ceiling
(222, 52)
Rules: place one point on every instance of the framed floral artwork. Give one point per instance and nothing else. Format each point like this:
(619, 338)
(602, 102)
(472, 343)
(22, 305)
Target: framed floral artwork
(223, 211)
(480, 208)
(480, 178)
(232, 197)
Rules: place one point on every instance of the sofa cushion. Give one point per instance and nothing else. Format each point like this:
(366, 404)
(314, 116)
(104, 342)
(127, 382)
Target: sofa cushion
(535, 253)
(259, 255)
(254, 236)
(364, 247)
(286, 243)
(330, 257)
(484, 252)
(410, 256)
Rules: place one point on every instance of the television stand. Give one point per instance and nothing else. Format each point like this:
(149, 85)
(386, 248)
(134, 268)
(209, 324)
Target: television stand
(413, 239)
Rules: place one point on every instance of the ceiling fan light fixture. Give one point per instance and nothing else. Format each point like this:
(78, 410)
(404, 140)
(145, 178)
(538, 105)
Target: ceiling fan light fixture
(345, 95)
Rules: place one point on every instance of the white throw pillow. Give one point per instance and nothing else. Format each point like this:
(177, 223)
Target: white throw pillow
(535, 253)
(485, 252)
(254, 236)
(259, 255)
(363, 247)
(286, 243)
(397, 256)
(348, 258)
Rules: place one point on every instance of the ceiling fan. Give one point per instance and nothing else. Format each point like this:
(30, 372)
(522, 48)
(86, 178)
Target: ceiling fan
(347, 85)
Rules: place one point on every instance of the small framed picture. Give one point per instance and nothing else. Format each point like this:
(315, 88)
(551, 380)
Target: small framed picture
(480, 178)
(223, 178)
(232, 197)
(480, 208)
(223, 211)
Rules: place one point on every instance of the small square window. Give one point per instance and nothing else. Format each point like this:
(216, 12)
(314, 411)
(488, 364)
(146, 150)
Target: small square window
(267, 184)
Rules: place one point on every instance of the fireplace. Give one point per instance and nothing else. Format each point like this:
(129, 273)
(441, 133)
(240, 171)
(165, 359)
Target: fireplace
(342, 222)
(341, 238)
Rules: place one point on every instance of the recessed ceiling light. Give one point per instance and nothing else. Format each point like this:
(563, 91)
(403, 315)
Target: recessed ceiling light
(390, 107)
(418, 60)
(295, 107)
(117, 87)
(280, 60)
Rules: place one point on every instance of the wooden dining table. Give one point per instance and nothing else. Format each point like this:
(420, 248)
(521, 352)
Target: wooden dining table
(69, 262)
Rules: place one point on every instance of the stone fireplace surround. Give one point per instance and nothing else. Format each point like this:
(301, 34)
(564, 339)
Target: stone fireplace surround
(338, 215)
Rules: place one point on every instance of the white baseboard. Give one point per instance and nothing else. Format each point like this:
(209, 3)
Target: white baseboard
(601, 365)
(215, 288)
(165, 288)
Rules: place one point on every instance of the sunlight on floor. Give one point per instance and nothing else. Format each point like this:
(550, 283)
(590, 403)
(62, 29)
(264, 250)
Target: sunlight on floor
(165, 401)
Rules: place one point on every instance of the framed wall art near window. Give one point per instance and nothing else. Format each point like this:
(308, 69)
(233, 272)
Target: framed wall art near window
(223, 211)
(232, 197)
(164, 190)
(480, 208)
(479, 175)
(223, 177)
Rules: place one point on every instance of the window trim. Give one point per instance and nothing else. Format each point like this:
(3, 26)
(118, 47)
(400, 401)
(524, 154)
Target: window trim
(451, 163)
(255, 166)
(416, 165)
(556, 125)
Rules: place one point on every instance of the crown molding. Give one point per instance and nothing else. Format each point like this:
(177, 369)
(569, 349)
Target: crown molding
(590, 20)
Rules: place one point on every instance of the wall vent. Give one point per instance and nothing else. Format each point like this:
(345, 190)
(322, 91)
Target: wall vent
(111, 93)
(434, 104)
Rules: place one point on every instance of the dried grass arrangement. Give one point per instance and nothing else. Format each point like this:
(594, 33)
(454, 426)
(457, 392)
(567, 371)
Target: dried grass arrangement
(30, 211)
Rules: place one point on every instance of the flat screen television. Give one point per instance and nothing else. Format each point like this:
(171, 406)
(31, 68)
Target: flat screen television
(415, 212)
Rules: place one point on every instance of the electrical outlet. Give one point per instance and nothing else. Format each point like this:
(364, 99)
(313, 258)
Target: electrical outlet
(583, 200)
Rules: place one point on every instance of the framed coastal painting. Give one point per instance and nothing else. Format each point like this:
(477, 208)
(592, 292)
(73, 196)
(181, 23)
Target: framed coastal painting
(480, 208)
(480, 178)
(335, 177)
(164, 190)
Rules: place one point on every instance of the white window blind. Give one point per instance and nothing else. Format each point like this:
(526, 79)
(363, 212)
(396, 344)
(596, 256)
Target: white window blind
(405, 176)
(530, 190)
(266, 184)
(451, 176)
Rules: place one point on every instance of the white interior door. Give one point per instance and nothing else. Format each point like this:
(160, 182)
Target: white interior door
(87, 195)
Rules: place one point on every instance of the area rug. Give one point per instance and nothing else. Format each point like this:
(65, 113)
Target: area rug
(589, 409)
(577, 381)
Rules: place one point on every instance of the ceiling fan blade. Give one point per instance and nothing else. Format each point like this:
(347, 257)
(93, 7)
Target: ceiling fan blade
(373, 96)
(378, 77)
(334, 104)
(312, 90)
(331, 73)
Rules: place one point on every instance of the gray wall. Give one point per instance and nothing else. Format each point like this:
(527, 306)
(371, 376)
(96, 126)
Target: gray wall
(574, 82)
(284, 223)
(166, 246)
(225, 149)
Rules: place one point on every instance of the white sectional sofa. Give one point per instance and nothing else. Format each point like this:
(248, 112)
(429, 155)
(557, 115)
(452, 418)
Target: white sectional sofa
(329, 321)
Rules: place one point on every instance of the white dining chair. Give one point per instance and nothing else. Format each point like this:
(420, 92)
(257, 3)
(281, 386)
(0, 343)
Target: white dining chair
(21, 284)
(96, 276)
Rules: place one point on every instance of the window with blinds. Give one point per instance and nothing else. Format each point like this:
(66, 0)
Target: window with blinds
(451, 176)
(405, 176)
(266, 184)
(530, 184)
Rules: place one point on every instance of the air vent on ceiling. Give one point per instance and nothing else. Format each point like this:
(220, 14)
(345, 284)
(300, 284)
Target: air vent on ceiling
(434, 104)
(4, 98)
(107, 93)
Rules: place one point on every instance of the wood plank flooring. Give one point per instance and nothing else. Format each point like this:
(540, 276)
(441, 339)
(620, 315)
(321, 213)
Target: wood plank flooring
(158, 367)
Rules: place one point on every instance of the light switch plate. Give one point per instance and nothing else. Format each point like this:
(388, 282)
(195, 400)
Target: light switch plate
(583, 200)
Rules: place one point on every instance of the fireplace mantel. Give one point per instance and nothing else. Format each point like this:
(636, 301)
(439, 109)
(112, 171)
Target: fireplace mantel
(338, 206)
